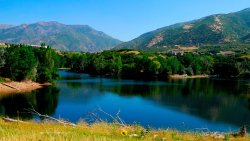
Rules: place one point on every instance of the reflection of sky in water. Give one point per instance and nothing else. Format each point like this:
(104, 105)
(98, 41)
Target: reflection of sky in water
(182, 104)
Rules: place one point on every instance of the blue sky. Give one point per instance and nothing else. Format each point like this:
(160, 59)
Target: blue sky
(122, 19)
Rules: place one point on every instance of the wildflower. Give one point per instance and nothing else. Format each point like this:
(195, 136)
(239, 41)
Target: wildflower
(124, 132)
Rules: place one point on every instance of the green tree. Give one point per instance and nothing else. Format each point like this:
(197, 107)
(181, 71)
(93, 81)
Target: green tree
(174, 66)
(154, 67)
(116, 65)
(100, 64)
(21, 63)
(2, 58)
(78, 61)
(207, 63)
(48, 64)
(226, 69)
(245, 65)
(196, 65)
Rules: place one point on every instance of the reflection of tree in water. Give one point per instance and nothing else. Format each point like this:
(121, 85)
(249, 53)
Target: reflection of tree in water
(249, 104)
(74, 85)
(47, 100)
(43, 100)
(13, 106)
(215, 100)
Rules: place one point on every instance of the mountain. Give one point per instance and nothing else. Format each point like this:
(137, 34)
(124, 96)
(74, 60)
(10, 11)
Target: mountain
(59, 36)
(214, 29)
(5, 26)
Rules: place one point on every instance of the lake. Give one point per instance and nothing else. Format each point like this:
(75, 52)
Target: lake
(183, 104)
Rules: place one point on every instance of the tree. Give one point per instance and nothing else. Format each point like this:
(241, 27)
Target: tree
(207, 63)
(196, 65)
(43, 45)
(116, 65)
(226, 69)
(2, 58)
(21, 63)
(174, 66)
(100, 64)
(48, 63)
(154, 67)
(78, 62)
(245, 65)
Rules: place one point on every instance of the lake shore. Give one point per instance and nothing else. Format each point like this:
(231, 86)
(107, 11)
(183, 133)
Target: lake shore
(177, 76)
(19, 87)
(29, 130)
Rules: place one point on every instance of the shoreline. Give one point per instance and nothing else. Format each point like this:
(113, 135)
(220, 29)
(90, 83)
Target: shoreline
(19, 87)
(177, 76)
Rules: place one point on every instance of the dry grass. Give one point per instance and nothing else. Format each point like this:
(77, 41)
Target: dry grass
(187, 26)
(179, 48)
(131, 52)
(227, 52)
(246, 56)
(97, 132)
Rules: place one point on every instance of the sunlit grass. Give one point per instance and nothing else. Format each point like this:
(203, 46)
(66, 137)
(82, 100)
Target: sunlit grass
(98, 131)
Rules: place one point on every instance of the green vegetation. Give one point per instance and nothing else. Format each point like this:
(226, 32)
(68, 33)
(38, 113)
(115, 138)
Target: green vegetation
(234, 48)
(23, 62)
(98, 132)
(136, 64)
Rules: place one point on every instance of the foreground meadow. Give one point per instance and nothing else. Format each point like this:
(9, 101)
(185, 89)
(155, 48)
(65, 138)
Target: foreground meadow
(15, 131)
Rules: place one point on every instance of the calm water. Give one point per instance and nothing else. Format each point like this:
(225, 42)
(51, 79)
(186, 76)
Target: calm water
(219, 105)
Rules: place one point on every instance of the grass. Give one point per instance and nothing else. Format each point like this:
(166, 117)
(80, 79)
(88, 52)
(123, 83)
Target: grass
(97, 132)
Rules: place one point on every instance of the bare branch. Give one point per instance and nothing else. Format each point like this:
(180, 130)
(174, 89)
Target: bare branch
(33, 111)
(10, 120)
(117, 119)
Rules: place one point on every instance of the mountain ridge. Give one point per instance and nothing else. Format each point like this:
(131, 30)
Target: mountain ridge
(5, 26)
(59, 36)
(213, 29)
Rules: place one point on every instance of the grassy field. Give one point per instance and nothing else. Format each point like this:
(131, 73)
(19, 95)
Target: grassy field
(22, 131)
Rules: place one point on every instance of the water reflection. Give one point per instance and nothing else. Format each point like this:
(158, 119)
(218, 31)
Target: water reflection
(223, 101)
(43, 100)
(216, 104)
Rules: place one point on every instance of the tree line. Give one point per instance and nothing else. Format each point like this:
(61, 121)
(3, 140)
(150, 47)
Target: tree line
(130, 63)
(23, 62)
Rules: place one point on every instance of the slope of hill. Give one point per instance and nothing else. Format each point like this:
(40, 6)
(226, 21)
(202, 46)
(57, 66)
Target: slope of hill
(214, 29)
(5, 26)
(59, 36)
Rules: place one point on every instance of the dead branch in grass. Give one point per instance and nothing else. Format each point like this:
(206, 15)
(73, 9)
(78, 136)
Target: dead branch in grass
(7, 119)
(34, 112)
